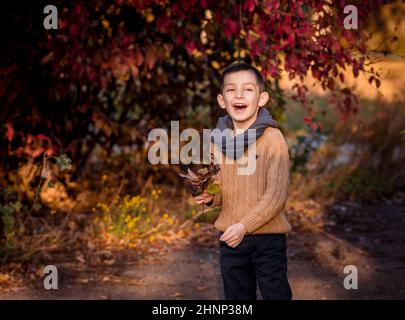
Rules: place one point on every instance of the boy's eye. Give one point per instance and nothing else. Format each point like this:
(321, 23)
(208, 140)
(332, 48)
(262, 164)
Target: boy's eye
(249, 89)
(230, 90)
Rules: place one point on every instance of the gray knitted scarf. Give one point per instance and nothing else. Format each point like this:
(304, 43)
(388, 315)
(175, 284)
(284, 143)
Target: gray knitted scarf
(237, 144)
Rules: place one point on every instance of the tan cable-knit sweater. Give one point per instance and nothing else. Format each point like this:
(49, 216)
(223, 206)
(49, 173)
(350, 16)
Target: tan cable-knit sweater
(257, 200)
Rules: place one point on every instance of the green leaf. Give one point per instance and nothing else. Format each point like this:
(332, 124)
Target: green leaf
(214, 188)
(6, 210)
(50, 184)
(10, 245)
(17, 206)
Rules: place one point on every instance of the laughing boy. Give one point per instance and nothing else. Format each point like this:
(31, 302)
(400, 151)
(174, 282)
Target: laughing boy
(252, 223)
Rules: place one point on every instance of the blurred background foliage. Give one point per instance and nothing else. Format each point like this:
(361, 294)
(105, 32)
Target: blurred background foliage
(78, 103)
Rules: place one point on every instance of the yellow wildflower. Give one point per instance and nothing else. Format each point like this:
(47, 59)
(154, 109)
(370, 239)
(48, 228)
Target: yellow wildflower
(131, 224)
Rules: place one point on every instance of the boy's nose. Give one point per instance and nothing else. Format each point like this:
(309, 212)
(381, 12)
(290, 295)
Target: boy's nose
(239, 94)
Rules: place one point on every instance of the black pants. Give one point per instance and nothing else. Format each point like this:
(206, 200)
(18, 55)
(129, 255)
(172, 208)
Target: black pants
(261, 258)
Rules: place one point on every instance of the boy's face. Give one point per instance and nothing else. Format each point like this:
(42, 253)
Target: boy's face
(241, 96)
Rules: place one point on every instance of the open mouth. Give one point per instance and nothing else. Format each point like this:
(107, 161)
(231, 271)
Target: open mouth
(240, 106)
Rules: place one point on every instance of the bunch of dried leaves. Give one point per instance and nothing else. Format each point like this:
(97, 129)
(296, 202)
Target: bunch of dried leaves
(200, 178)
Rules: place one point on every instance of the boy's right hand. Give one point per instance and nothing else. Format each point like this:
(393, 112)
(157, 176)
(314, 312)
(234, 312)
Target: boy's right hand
(204, 198)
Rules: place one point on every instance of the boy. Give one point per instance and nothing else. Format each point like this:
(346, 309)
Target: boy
(252, 224)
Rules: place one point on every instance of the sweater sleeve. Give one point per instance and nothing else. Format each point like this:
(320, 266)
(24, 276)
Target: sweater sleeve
(277, 182)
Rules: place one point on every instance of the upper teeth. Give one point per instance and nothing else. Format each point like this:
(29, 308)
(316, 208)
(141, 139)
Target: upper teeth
(240, 104)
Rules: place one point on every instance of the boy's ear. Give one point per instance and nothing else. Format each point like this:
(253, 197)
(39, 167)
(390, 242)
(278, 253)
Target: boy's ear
(263, 99)
(220, 100)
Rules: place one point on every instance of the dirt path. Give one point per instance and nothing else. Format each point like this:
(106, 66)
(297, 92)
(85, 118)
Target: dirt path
(371, 238)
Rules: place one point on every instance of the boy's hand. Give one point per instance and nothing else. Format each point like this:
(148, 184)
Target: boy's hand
(204, 198)
(234, 234)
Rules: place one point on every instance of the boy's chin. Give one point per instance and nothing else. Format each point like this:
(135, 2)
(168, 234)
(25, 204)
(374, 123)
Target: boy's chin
(240, 117)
